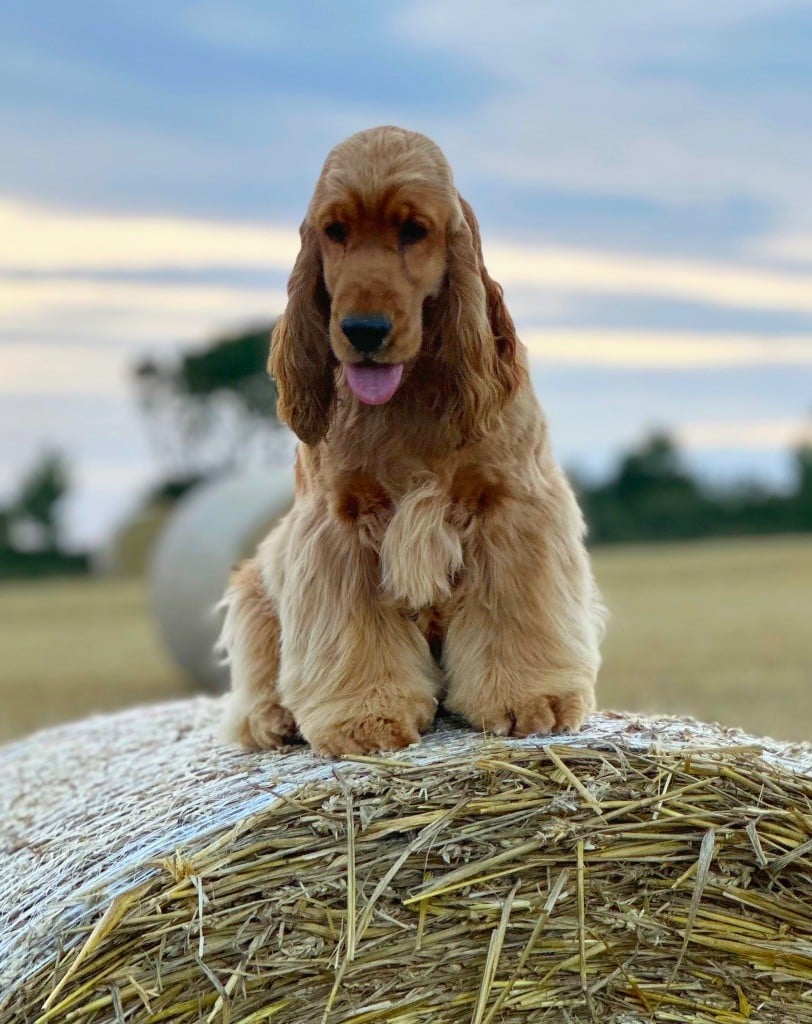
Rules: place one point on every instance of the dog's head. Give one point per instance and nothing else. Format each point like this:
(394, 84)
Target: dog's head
(390, 269)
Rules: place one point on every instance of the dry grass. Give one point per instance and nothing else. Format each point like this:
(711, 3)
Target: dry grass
(716, 630)
(626, 876)
(74, 647)
(720, 631)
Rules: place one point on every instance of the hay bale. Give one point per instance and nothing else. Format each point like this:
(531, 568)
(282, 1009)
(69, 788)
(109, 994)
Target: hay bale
(644, 870)
(211, 529)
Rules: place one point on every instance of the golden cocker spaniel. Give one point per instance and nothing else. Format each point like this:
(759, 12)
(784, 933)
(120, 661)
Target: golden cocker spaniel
(435, 550)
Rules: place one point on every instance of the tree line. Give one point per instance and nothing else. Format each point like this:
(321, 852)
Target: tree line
(652, 496)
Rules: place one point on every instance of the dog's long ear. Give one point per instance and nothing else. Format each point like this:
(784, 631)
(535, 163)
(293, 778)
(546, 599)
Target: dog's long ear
(501, 322)
(301, 360)
(475, 332)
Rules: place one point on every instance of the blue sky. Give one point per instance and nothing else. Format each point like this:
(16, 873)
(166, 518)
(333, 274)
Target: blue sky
(641, 175)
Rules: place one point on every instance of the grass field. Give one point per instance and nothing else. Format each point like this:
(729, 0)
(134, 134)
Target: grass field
(721, 631)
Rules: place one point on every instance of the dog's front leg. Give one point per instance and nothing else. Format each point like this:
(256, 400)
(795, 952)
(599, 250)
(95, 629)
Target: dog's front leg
(355, 670)
(522, 648)
(250, 641)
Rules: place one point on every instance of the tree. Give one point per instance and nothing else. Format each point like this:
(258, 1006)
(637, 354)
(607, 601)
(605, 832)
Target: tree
(30, 534)
(6, 524)
(650, 496)
(213, 408)
(802, 457)
(654, 465)
(40, 494)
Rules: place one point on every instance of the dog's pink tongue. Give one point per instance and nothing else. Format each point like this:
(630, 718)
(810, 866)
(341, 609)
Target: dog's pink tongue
(374, 384)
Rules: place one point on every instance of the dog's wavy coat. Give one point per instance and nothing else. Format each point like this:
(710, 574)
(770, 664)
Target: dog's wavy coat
(434, 550)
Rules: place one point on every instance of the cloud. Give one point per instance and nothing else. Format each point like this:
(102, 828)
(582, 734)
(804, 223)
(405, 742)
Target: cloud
(784, 247)
(60, 370)
(744, 435)
(212, 106)
(128, 315)
(664, 350)
(616, 273)
(40, 240)
(656, 101)
(49, 293)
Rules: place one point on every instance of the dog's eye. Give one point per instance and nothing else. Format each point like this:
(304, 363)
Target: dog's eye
(336, 232)
(411, 232)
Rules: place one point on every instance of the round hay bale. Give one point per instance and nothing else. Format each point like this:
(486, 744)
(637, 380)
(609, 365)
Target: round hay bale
(643, 870)
(214, 527)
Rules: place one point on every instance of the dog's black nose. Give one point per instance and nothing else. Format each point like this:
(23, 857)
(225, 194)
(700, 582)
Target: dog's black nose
(366, 332)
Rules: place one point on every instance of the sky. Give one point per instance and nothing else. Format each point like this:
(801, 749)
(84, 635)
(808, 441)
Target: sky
(641, 174)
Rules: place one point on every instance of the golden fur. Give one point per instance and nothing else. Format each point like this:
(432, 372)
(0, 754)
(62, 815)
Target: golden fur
(435, 549)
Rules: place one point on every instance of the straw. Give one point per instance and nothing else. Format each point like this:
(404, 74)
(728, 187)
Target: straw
(643, 870)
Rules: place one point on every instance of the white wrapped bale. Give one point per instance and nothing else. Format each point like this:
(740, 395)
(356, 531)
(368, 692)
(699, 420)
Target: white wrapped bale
(644, 870)
(210, 531)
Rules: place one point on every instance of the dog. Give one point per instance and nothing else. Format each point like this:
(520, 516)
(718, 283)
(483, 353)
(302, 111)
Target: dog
(435, 550)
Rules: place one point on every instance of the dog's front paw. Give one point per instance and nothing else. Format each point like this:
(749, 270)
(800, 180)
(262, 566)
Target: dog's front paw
(265, 725)
(552, 707)
(370, 732)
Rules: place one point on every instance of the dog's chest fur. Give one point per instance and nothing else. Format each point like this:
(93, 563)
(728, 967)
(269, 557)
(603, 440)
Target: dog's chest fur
(419, 529)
